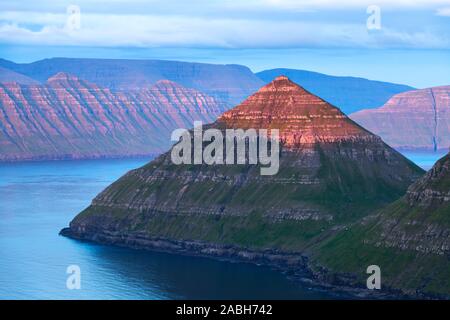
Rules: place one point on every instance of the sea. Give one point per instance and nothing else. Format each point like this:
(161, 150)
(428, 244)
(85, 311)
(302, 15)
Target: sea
(38, 199)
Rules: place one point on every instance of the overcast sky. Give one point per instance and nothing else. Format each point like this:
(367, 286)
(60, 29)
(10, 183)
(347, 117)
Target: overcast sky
(411, 46)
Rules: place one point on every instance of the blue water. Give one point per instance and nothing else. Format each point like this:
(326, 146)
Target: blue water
(37, 199)
(423, 159)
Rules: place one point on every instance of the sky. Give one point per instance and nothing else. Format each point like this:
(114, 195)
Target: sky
(403, 41)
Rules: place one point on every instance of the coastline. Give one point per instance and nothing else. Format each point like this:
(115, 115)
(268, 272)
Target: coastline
(294, 265)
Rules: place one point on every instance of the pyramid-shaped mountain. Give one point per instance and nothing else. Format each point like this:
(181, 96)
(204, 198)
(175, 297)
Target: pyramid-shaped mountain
(300, 116)
(331, 172)
(409, 240)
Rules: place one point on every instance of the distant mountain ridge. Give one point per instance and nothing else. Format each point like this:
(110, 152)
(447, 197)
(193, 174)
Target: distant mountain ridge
(417, 120)
(69, 118)
(229, 83)
(226, 84)
(350, 94)
(7, 75)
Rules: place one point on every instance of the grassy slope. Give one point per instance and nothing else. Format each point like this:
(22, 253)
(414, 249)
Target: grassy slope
(349, 191)
(353, 249)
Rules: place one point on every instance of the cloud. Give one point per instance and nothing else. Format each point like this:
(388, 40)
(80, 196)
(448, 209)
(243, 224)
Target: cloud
(347, 4)
(180, 6)
(445, 12)
(220, 24)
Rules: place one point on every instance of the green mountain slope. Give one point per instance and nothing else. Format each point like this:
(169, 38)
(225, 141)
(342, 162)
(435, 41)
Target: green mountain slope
(332, 172)
(409, 240)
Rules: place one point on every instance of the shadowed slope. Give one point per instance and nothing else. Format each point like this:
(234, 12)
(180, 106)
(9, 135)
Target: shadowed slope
(409, 240)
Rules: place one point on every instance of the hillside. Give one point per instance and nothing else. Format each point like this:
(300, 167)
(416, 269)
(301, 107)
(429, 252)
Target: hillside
(409, 240)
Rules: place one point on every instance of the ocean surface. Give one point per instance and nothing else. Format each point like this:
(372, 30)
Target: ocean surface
(37, 199)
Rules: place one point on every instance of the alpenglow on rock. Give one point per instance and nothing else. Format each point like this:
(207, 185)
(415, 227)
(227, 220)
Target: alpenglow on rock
(229, 84)
(331, 172)
(351, 94)
(417, 120)
(69, 118)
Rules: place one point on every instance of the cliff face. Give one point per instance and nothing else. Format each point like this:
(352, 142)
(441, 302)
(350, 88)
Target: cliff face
(433, 190)
(409, 239)
(229, 84)
(351, 94)
(414, 120)
(72, 118)
(331, 172)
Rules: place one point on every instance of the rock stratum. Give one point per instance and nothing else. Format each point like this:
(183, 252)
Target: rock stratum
(409, 240)
(332, 173)
(229, 84)
(417, 120)
(70, 118)
(349, 93)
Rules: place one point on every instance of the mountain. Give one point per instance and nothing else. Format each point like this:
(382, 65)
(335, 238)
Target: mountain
(69, 118)
(331, 172)
(7, 75)
(409, 240)
(350, 94)
(228, 83)
(414, 120)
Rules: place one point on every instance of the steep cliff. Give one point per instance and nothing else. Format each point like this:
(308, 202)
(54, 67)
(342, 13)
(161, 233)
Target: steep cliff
(69, 118)
(332, 171)
(413, 120)
(229, 84)
(409, 240)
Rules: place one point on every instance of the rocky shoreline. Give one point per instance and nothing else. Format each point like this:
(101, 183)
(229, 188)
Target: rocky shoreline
(294, 265)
